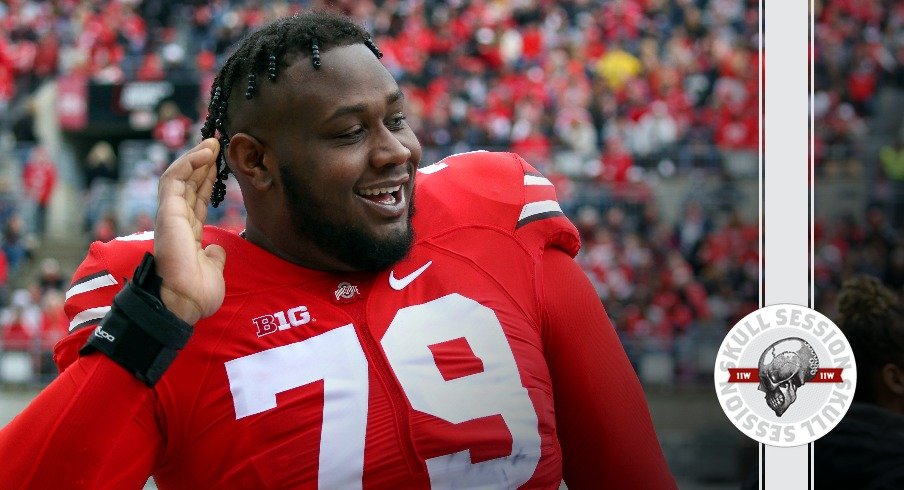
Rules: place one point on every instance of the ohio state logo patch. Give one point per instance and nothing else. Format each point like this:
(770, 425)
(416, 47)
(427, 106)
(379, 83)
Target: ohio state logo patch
(346, 292)
(785, 375)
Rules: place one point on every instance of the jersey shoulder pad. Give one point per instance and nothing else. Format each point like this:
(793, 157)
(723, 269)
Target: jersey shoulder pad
(499, 190)
(101, 275)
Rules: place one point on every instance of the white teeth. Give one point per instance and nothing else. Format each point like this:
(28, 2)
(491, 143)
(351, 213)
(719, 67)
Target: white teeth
(376, 192)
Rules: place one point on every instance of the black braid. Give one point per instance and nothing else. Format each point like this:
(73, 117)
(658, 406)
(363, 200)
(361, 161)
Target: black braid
(267, 51)
(272, 57)
(315, 51)
(249, 92)
(271, 67)
(373, 47)
(207, 130)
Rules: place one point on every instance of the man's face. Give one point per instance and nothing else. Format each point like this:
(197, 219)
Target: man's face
(346, 159)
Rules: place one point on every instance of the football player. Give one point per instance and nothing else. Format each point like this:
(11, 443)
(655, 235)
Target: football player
(342, 340)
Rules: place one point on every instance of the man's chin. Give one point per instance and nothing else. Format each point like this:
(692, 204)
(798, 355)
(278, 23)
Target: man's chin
(377, 253)
(360, 246)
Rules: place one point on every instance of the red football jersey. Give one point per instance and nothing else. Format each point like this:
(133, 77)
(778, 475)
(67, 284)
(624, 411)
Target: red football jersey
(428, 374)
(484, 359)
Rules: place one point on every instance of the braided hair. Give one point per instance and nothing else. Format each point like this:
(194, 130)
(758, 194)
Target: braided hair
(872, 319)
(264, 53)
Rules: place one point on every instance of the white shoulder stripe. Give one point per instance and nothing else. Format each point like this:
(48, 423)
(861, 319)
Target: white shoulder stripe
(429, 169)
(96, 283)
(137, 237)
(536, 180)
(533, 208)
(88, 315)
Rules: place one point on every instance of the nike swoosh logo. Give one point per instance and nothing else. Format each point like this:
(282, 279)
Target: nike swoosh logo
(401, 283)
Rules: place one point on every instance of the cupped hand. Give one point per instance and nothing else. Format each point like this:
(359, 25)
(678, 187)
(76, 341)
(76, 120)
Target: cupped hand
(193, 285)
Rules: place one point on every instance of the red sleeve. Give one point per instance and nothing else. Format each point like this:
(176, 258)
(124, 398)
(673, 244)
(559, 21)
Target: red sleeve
(99, 277)
(602, 418)
(93, 427)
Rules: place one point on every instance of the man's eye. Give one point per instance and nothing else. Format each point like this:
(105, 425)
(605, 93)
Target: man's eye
(396, 122)
(352, 133)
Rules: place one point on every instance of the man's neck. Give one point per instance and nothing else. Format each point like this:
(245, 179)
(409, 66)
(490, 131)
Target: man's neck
(312, 259)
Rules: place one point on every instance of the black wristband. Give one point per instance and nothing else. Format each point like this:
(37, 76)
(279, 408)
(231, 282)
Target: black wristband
(138, 332)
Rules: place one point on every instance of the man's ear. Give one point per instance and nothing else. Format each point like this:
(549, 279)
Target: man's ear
(246, 158)
(893, 378)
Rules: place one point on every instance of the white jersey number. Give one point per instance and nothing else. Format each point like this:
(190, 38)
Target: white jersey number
(337, 358)
(495, 390)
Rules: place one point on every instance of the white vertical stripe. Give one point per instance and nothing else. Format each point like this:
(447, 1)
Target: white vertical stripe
(538, 207)
(536, 180)
(786, 192)
(96, 283)
(88, 315)
(786, 172)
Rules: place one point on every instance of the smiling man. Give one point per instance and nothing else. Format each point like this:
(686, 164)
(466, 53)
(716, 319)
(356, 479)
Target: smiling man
(334, 143)
(342, 340)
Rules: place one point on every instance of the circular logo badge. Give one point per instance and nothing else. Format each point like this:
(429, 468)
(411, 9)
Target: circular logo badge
(785, 375)
(346, 292)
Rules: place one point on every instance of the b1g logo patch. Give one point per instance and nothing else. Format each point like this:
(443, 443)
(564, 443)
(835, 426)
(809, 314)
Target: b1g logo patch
(785, 375)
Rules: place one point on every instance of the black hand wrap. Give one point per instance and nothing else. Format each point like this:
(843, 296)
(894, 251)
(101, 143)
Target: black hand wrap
(138, 332)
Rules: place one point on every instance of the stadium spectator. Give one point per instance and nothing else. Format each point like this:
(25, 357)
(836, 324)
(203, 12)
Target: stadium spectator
(100, 164)
(15, 335)
(654, 134)
(17, 243)
(173, 129)
(616, 161)
(51, 277)
(106, 228)
(39, 178)
(138, 196)
(54, 326)
(892, 159)
(692, 228)
(9, 200)
(151, 69)
(22, 321)
(866, 448)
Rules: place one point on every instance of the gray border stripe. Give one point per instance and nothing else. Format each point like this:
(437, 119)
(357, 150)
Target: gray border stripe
(785, 214)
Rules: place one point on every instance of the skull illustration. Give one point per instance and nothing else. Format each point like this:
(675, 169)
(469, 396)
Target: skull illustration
(784, 367)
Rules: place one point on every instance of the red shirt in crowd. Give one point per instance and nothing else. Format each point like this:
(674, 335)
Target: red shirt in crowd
(173, 132)
(39, 176)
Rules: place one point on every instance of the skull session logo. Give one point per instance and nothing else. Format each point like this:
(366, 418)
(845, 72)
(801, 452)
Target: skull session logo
(785, 375)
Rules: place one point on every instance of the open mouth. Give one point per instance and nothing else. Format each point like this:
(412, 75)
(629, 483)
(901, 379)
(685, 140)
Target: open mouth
(386, 196)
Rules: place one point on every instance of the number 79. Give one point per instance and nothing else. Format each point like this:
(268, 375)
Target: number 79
(336, 357)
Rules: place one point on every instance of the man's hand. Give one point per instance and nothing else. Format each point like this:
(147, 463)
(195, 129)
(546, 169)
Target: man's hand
(193, 285)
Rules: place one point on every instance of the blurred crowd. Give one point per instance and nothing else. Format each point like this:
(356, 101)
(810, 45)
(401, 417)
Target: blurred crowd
(633, 81)
(859, 47)
(605, 97)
